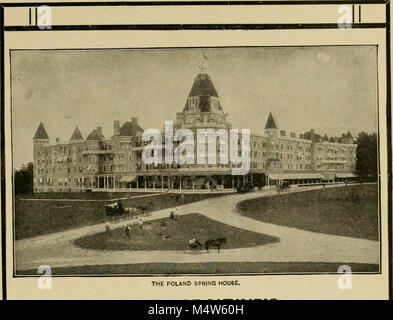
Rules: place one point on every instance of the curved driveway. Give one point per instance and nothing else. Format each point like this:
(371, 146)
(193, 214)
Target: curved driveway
(58, 250)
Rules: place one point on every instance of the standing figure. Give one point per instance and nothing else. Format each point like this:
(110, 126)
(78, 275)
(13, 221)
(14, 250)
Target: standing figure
(127, 230)
(107, 228)
(140, 223)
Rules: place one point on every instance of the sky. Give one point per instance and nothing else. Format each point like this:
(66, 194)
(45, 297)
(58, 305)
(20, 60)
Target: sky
(331, 89)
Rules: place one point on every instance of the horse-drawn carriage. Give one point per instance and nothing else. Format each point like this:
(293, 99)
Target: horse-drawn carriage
(116, 208)
(283, 186)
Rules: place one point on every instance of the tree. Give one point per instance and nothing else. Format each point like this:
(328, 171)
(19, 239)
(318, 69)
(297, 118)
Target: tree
(23, 179)
(367, 156)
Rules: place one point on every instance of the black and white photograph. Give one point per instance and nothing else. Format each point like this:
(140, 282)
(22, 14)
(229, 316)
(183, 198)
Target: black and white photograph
(308, 201)
(227, 159)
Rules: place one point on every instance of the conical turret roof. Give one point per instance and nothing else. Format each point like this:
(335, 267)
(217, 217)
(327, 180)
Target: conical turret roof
(76, 135)
(270, 123)
(41, 133)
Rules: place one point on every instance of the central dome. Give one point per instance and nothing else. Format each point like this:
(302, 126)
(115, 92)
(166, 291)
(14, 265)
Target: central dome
(203, 96)
(203, 86)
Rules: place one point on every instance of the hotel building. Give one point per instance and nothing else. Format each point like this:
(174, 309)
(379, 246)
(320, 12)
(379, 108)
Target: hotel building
(98, 163)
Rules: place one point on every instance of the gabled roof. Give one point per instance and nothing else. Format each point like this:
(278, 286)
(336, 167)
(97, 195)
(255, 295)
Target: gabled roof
(270, 123)
(94, 135)
(203, 86)
(349, 135)
(41, 133)
(76, 135)
(130, 129)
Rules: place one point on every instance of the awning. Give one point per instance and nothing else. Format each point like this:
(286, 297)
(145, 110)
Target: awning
(346, 175)
(127, 178)
(294, 176)
(328, 175)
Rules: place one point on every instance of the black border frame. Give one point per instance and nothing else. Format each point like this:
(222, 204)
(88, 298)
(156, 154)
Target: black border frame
(132, 275)
(385, 25)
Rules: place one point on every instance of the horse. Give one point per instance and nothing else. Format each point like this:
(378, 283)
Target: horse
(132, 211)
(194, 244)
(215, 243)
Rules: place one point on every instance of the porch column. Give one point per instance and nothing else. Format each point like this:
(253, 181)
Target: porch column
(193, 183)
(162, 182)
(233, 182)
(145, 181)
(180, 182)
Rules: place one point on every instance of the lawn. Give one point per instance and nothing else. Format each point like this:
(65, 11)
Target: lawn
(97, 195)
(187, 227)
(207, 268)
(346, 211)
(38, 217)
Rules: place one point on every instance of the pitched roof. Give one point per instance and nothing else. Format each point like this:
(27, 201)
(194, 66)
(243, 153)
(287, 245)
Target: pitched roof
(41, 133)
(130, 128)
(203, 86)
(270, 123)
(76, 135)
(349, 135)
(94, 135)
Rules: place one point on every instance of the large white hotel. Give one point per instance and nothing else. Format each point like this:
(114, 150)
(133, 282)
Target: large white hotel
(98, 163)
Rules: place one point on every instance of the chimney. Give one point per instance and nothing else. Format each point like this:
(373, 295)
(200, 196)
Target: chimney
(99, 131)
(134, 121)
(116, 127)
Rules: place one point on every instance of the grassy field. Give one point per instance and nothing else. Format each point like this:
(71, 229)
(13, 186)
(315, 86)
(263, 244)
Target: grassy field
(37, 217)
(207, 268)
(81, 195)
(179, 231)
(346, 211)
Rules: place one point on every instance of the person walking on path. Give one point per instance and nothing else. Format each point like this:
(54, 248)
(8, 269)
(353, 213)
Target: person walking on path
(127, 230)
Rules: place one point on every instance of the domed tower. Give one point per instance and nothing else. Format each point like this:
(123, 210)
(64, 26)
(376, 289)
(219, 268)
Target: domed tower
(203, 108)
